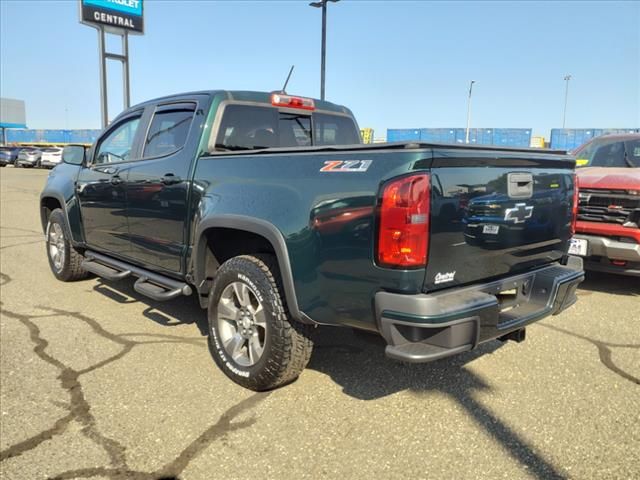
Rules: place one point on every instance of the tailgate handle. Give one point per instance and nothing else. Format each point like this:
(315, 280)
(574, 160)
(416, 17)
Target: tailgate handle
(520, 185)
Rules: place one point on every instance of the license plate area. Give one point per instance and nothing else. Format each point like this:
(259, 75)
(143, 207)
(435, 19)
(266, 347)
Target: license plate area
(510, 298)
(491, 229)
(578, 246)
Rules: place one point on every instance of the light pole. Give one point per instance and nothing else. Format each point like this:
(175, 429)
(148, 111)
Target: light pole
(323, 4)
(469, 110)
(566, 97)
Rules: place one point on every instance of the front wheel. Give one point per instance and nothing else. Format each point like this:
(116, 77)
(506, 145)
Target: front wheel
(65, 262)
(253, 338)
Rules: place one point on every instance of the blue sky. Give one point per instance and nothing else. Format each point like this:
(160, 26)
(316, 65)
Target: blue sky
(396, 64)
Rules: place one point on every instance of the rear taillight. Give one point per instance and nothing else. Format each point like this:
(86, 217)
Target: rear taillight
(574, 209)
(403, 238)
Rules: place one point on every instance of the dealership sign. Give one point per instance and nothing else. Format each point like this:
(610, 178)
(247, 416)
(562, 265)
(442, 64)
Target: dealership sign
(114, 15)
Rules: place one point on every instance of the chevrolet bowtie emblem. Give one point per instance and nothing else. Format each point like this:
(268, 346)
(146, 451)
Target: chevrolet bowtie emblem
(519, 213)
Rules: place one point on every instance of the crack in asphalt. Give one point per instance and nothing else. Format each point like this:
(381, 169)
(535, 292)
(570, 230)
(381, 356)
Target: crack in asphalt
(21, 244)
(11, 189)
(80, 409)
(26, 233)
(174, 468)
(4, 279)
(604, 351)
(22, 236)
(27, 230)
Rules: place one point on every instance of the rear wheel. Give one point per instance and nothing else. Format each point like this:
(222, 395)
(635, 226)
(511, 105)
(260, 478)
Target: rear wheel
(65, 262)
(253, 338)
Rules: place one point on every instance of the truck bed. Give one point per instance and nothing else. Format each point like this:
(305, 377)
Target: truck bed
(330, 219)
(394, 146)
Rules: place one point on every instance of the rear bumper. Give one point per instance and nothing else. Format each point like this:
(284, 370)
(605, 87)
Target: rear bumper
(26, 162)
(426, 327)
(49, 163)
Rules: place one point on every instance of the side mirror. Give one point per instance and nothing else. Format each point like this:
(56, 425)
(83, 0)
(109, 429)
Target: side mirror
(74, 154)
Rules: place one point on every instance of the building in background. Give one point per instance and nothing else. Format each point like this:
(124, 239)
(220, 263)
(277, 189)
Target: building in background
(505, 137)
(367, 135)
(560, 138)
(31, 136)
(12, 115)
(538, 142)
(572, 138)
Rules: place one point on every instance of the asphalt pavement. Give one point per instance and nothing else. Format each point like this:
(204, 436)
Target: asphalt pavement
(99, 382)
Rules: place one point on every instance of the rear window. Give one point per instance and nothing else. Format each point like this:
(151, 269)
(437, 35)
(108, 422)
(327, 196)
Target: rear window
(247, 127)
(334, 130)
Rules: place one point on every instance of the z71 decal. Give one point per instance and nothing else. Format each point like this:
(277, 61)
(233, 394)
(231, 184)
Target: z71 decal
(346, 165)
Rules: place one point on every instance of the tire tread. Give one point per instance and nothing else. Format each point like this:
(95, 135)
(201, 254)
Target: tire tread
(291, 345)
(73, 271)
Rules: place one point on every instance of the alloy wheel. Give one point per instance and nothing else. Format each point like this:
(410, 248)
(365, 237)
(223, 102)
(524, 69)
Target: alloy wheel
(242, 324)
(56, 246)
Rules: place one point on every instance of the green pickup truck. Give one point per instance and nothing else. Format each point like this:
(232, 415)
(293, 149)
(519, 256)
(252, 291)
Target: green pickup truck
(269, 209)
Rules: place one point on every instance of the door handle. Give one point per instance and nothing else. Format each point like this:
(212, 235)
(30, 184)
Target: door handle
(170, 179)
(116, 180)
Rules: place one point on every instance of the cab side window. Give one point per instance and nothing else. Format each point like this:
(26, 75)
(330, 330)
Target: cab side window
(117, 145)
(168, 131)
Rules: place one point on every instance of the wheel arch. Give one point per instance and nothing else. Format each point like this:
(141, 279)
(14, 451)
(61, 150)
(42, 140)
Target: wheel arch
(48, 203)
(260, 237)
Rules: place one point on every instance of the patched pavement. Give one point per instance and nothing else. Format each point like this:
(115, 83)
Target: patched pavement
(100, 382)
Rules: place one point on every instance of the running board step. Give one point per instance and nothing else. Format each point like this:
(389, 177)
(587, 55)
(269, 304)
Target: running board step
(156, 292)
(104, 271)
(155, 286)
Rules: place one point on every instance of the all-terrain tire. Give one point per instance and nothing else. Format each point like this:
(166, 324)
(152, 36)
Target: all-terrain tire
(69, 267)
(287, 343)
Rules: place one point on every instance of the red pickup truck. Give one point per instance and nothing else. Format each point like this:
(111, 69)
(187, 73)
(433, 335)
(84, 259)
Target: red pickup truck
(607, 230)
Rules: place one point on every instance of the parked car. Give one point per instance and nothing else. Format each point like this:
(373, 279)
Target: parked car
(269, 209)
(51, 156)
(8, 155)
(608, 226)
(29, 157)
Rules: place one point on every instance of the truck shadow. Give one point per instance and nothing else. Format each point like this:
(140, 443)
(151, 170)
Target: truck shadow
(180, 311)
(357, 363)
(609, 283)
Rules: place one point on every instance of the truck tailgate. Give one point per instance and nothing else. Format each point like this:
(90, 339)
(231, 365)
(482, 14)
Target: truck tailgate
(501, 213)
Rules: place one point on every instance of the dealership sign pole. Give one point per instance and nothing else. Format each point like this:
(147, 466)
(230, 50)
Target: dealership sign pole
(118, 17)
